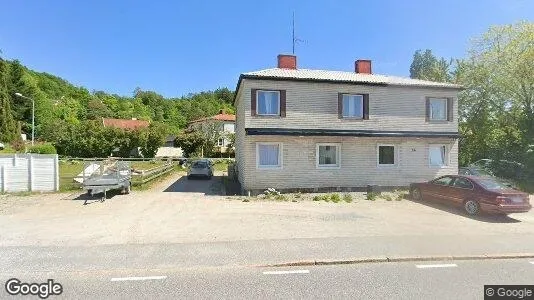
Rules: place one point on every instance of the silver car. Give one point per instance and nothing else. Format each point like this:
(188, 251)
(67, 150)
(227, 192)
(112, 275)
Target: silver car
(200, 168)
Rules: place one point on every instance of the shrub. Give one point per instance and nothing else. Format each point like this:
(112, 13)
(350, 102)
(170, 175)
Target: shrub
(43, 149)
(298, 195)
(317, 198)
(387, 197)
(371, 196)
(335, 198)
(347, 198)
(280, 197)
(325, 198)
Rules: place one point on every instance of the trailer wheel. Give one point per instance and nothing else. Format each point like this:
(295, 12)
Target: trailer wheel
(128, 189)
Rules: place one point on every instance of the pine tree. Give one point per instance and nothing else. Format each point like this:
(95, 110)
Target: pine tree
(8, 126)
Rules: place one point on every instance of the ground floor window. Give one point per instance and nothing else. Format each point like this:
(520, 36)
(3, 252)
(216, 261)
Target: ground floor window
(328, 155)
(437, 155)
(269, 155)
(386, 155)
(220, 142)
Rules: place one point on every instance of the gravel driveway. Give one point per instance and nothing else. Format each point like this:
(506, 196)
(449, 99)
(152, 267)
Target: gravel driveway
(182, 211)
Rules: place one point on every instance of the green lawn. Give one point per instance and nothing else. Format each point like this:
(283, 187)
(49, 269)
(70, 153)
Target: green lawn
(67, 171)
(146, 165)
(221, 166)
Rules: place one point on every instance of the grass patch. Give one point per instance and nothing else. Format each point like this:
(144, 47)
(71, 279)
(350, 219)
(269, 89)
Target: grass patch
(280, 197)
(347, 198)
(67, 171)
(8, 150)
(148, 185)
(335, 198)
(371, 196)
(386, 197)
(146, 165)
(221, 166)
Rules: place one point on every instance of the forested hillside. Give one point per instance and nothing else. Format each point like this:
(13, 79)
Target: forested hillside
(59, 104)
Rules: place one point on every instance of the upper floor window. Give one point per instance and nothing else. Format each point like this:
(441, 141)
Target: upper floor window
(353, 106)
(268, 103)
(438, 109)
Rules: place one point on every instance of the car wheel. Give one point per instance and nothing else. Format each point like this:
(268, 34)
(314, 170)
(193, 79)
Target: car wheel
(472, 207)
(128, 189)
(188, 177)
(416, 194)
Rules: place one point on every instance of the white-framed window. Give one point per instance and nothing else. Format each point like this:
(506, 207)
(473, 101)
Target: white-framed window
(386, 155)
(352, 106)
(438, 109)
(268, 155)
(267, 103)
(438, 155)
(328, 155)
(220, 142)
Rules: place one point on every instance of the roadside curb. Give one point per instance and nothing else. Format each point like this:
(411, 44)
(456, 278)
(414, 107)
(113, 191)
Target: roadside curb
(385, 259)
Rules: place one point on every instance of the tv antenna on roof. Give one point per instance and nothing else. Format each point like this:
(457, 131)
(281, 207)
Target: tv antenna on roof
(294, 38)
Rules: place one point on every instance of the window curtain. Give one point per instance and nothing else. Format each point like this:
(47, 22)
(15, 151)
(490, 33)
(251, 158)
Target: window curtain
(352, 106)
(437, 155)
(438, 109)
(327, 155)
(269, 155)
(268, 103)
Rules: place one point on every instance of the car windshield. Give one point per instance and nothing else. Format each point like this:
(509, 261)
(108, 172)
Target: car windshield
(492, 184)
(200, 165)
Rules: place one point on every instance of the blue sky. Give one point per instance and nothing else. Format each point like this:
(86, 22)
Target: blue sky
(178, 47)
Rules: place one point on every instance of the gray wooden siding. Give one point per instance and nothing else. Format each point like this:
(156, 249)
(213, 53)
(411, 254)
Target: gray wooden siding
(358, 163)
(314, 105)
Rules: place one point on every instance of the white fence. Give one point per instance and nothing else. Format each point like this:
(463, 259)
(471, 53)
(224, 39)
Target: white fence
(29, 172)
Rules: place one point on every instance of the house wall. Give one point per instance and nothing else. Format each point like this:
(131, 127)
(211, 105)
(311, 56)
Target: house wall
(240, 136)
(315, 105)
(358, 168)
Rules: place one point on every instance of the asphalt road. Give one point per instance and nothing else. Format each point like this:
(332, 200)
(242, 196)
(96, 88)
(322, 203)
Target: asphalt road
(409, 280)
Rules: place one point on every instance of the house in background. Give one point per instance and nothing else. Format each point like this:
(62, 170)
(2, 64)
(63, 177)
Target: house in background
(302, 129)
(223, 123)
(168, 149)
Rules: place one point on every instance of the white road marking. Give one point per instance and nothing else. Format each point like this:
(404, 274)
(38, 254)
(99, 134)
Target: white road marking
(286, 272)
(138, 278)
(436, 266)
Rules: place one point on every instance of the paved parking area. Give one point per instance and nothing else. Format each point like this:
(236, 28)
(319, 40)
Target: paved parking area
(182, 211)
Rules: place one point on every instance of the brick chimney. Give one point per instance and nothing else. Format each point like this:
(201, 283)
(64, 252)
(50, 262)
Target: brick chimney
(286, 61)
(363, 66)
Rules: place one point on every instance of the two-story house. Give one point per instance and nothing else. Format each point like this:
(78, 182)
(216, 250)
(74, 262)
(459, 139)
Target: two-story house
(302, 129)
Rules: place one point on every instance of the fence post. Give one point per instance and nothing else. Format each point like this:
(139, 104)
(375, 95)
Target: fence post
(30, 173)
(56, 172)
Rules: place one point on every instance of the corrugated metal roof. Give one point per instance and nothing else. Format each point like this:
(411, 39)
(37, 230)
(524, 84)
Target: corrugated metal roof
(345, 77)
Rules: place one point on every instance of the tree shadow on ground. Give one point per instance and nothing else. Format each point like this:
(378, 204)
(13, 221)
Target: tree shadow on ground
(482, 217)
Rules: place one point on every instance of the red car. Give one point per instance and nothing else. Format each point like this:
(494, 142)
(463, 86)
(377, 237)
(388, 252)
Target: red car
(474, 194)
